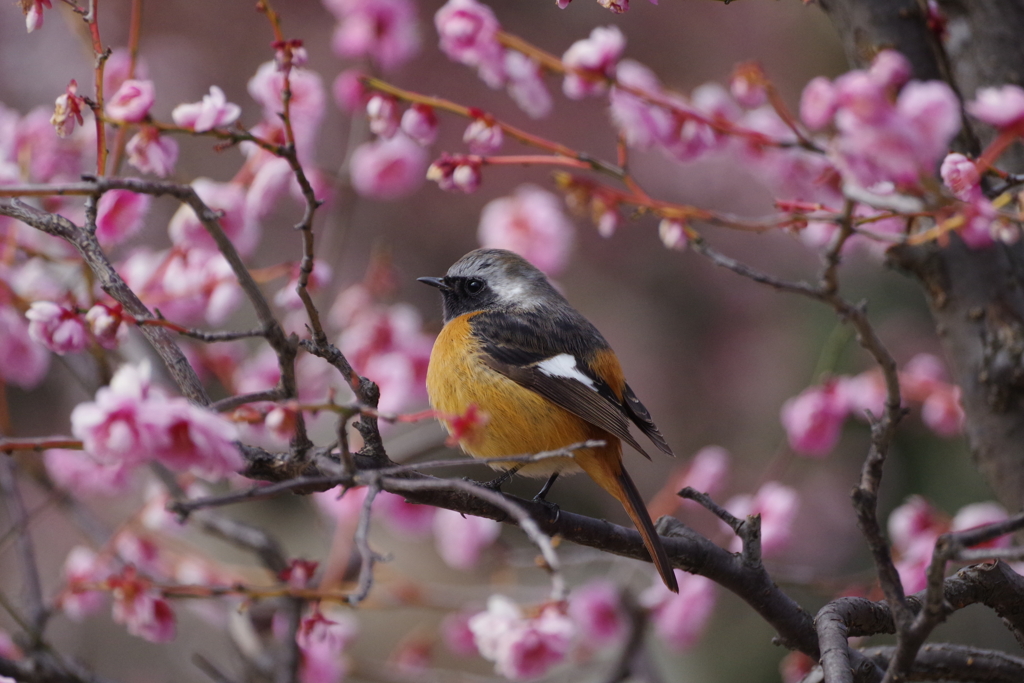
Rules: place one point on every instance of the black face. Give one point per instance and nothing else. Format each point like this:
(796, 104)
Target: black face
(462, 294)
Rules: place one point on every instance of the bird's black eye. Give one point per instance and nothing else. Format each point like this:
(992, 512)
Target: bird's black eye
(474, 286)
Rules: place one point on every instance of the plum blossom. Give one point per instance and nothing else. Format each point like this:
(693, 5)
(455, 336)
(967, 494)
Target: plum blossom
(961, 176)
(597, 610)
(306, 106)
(298, 573)
(777, 504)
(641, 123)
(214, 111)
(186, 285)
(672, 234)
(83, 567)
(113, 428)
(187, 231)
(120, 214)
(402, 516)
(191, 438)
(521, 648)
(22, 361)
(388, 169)
(118, 69)
(469, 35)
(532, 223)
(141, 608)
(67, 110)
(942, 411)
(382, 112)
(814, 420)
(58, 328)
(349, 92)
(322, 642)
(132, 101)
(591, 62)
(680, 619)
(80, 474)
(706, 473)
(386, 31)
(1002, 107)
(105, 324)
(526, 85)
(419, 122)
(818, 103)
(153, 153)
(483, 135)
(460, 540)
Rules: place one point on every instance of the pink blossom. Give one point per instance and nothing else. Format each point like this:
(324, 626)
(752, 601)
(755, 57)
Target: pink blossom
(942, 411)
(382, 112)
(187, 231)
(323, 642)
(419, 122)
(1002, 107)
(608, 221)
(468, 31)
(81, 568)
(640, 123)
(403, 516)
(978, 515)
(349, 92)
(22, 361)
(118, 69)
(306, 106)
(521, 648)
(191, 438)
(915, 518)
(44, 156)
(298, 573)
(141, 608)
(814, 420)
(922, 374)
(483, 135)
(185, 285)
(34, 13)
(747, 85)
(114, 428)
(67, 110)
(532, 223)
(214, 111)
(526, 84)
(590, 62)
(691, 139)
(818, 103)
(383, 30)
(862, 394)
(960, 175)
(132, 101)
(56, 327)
(78, 473)
(467, 177)
(777, 505)
(672, 234)
(120, 215)
(680, 619)
(388, 169)
(596, 608)
(140, 552)
(707, 471)
(890, 69)
(456, 634)
(319, 277)
(460, 540)
(153, 153)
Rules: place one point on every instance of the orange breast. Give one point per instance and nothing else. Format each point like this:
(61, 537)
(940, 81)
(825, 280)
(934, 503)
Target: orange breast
(519, 421)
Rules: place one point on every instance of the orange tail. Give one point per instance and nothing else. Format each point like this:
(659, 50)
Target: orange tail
(605, 468)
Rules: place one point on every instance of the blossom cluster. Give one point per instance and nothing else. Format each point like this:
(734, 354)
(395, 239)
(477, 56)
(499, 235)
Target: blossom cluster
(814, 419)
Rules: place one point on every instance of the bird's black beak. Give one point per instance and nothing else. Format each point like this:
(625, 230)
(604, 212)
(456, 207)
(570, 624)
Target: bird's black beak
(435, 282)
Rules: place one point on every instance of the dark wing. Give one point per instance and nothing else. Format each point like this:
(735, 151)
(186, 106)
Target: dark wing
(642, 419)
(522, 347)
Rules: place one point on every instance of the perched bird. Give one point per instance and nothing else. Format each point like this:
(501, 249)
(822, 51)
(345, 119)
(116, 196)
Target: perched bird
(514, 348)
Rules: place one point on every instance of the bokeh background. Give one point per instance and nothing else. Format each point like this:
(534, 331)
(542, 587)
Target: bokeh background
(713, 356)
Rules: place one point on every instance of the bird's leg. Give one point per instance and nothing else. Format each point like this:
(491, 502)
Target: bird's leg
(499, 481)
(541, 497)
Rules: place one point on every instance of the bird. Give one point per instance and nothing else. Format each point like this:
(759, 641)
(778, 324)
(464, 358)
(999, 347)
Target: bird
(513, 348)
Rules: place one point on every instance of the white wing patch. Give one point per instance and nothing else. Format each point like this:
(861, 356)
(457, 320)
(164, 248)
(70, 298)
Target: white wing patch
(564, 365)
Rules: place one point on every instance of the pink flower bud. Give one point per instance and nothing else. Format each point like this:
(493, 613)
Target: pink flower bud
(105, 324)
(382, 110)
(890, 69)
(467, 177)
(672, 234)
(960, 175)
(349, 92)
(591, 61)
(469, 35)
(597, 610)
(813, 420)
(132, 101)
(153, 153)
(67, 110)
(483, 136)
(818, 103)
(419, 122)
(34, 13)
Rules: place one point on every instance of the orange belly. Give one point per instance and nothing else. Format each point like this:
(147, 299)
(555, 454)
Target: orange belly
(519, 421)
